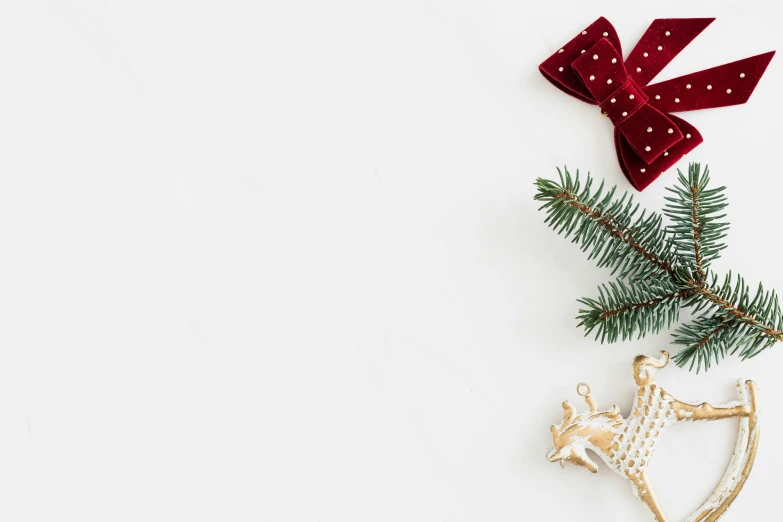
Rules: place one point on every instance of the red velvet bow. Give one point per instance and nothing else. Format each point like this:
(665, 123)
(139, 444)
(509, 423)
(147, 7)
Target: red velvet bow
(647, 138)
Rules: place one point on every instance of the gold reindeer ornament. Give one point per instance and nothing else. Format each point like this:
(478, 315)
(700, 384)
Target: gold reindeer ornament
(626, 445)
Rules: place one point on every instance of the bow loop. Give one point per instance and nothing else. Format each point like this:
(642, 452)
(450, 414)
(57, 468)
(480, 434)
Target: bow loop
(650, 133)
(640, 173)
(601, 69)
(557, 68)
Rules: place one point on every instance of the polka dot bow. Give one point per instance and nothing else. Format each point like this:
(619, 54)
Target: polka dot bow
(648, 139)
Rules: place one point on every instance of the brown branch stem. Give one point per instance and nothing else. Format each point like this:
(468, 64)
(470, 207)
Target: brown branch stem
(709, 336)
(645, 304)
(737, 313)
(696, 241)
(609, 224)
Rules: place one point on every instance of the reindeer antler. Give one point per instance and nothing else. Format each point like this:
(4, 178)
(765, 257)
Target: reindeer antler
(569, 410)
(569, 413)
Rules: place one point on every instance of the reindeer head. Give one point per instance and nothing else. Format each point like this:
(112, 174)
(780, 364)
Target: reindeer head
(570, 439)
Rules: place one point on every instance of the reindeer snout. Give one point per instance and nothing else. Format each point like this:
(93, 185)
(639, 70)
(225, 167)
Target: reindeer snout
(554, 455)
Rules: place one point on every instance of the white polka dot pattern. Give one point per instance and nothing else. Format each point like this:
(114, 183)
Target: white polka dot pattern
(590, 68)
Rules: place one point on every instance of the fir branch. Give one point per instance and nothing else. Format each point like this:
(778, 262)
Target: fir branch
(624, 309)
(706, 339)
(636, 247)
(696, 222)
(761, 315)
(662, 269)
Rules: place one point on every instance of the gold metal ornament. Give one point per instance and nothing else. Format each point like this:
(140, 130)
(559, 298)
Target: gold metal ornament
(626, 445)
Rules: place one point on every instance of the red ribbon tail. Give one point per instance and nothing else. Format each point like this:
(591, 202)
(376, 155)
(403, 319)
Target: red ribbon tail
(721, 86)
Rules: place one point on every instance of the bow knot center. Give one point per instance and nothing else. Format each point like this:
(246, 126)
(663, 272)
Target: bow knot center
(623, 102)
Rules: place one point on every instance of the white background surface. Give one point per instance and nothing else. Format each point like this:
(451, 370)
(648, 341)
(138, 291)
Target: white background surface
(279, 261)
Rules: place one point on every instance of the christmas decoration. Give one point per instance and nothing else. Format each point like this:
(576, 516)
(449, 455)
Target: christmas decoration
(627, 445)
(647, 138)
(663, 268)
